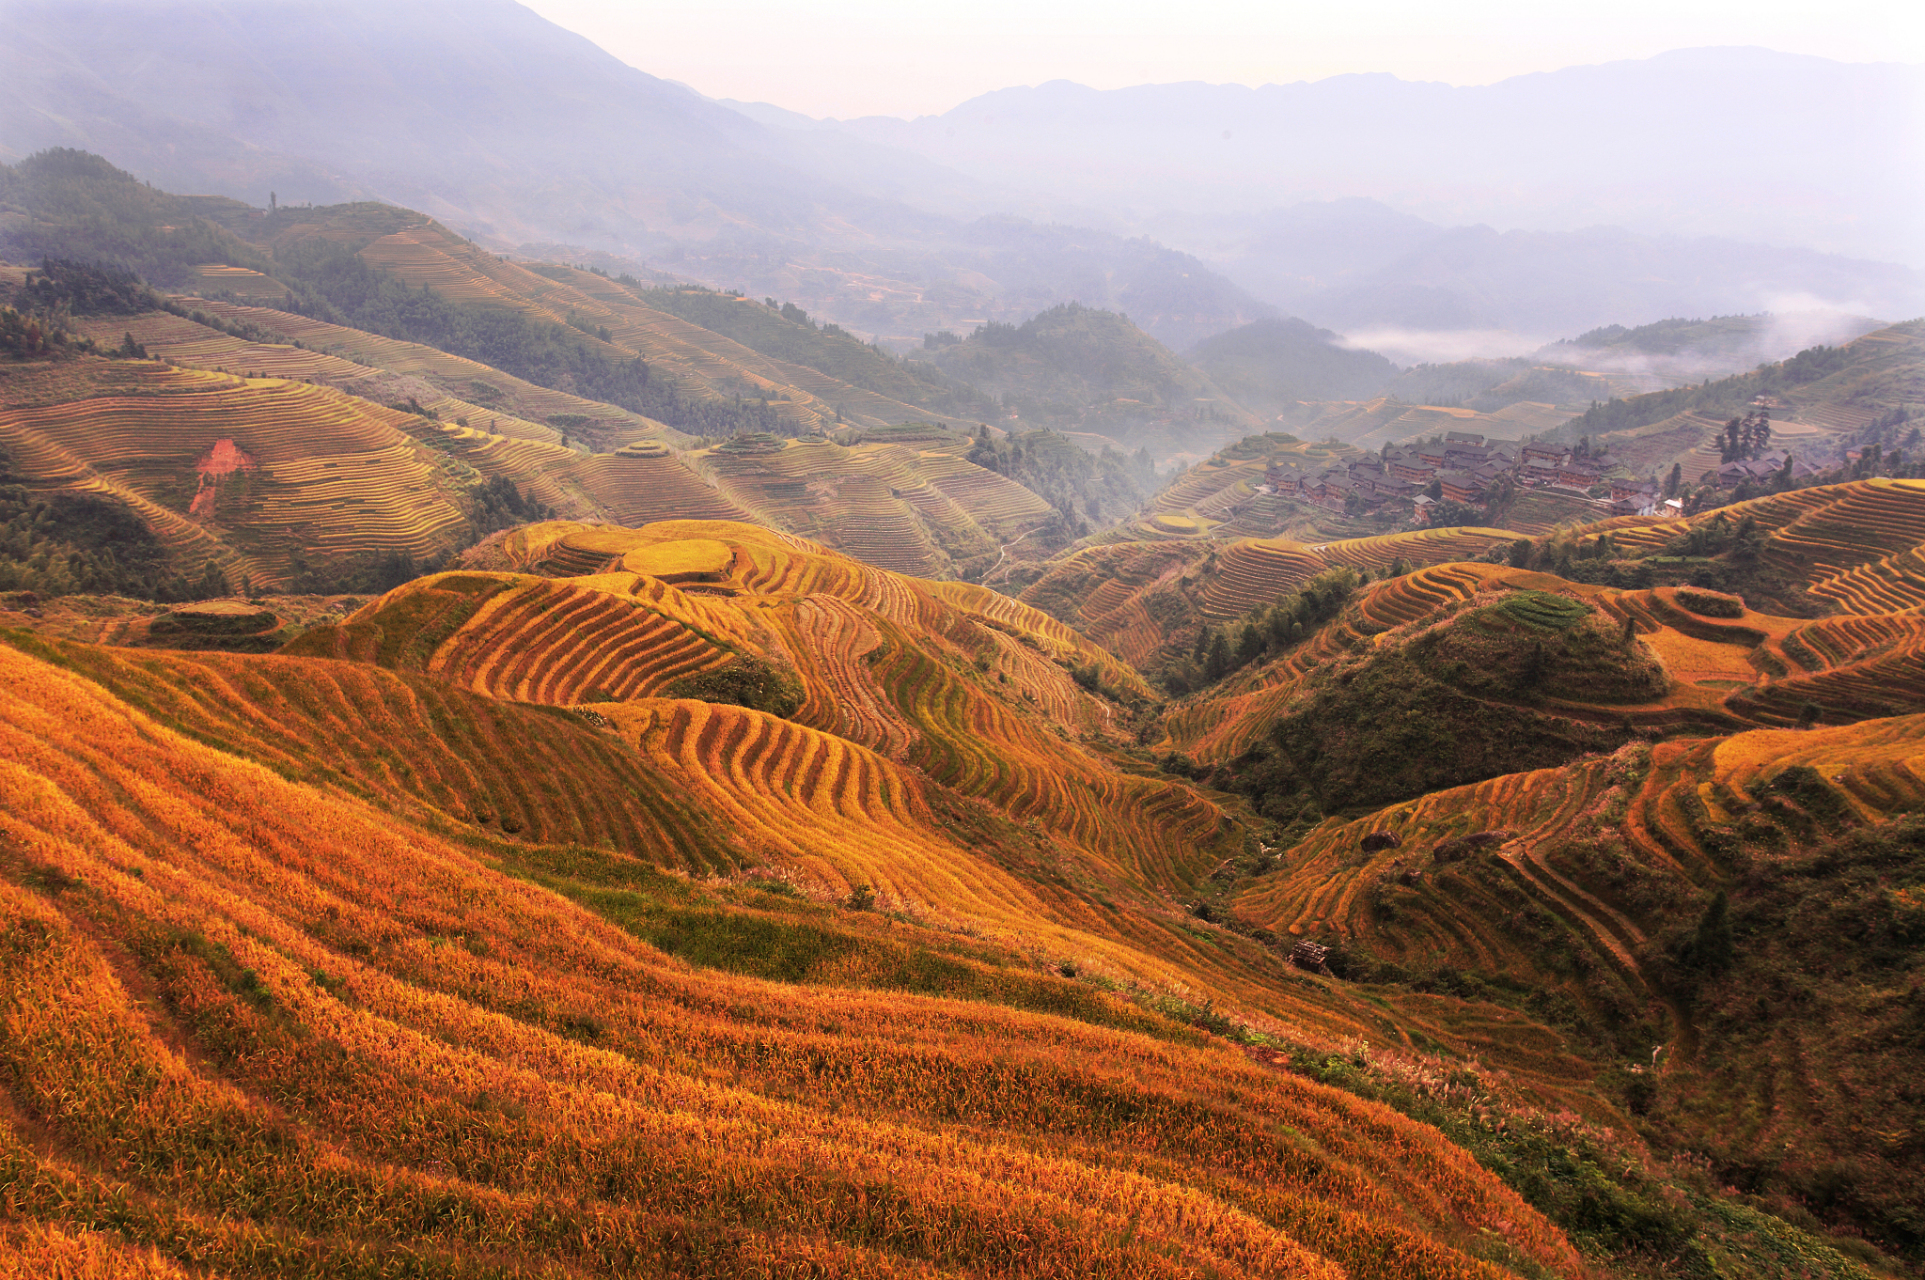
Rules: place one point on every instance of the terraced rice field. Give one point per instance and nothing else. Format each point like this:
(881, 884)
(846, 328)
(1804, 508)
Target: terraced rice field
(1849, 668)
(477, 391)
(451, 1045)
(1102, 592)
(335, 477)
(463, 755)
(534, 640)
(1650, 451)
(1055, 640)
(1656, 808)
(1755, 670)
(1819, 534)
(1256, 572)
(884, 504)
(1227, 721)
(427, 257)
(1841, 419)
(637, 491)
(242, 282)
(882, 500)
(182, 341)
(1851, 525)
(1538, 511)
(917, 670)
(1004, 509)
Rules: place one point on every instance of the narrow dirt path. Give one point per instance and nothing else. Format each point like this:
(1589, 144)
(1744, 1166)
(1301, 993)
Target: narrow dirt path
(1002, 553)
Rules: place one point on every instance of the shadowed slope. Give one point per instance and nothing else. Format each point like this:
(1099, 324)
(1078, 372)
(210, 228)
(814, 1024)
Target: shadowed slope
(1635, 830)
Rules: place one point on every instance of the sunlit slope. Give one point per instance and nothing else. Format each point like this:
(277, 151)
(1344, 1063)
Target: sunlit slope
(415, 745)
(1127, 595)
(1859, 545)
(378, 368)
(920, 507)
(951, 681)
(1256, 572)
(507, 428)
(1855, 544)
(264, 468)
(1137, 598)
(225, 988)
(244, 283)
(683, 785)
(427, 254)
(917, 511)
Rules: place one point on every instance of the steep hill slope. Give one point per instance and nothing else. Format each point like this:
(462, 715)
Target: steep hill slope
(1145, 600)
(474, 1068)
(251, 474)
(1076, 368)
(1584, 883)
(607, 314)
(413, 960)
(1269, 365)
(932, 677)
(1594, 895)
(908, 496)
(1854, 548)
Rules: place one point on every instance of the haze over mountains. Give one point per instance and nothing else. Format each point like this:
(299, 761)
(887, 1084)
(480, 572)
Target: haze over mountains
(1193, 208)
(1666, 145)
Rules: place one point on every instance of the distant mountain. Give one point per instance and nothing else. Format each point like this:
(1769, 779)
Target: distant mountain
(1357, 264)
(998, 268)
(1269, 364)
(1744, 143)
(1078, 368)
(1676, 350)
(515, 131)
(1533, 282)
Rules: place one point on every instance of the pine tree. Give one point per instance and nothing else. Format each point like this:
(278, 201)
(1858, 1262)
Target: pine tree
(1712, 947)
(1217, 664)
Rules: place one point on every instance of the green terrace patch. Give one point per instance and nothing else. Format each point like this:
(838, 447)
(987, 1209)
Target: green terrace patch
(1543, 609)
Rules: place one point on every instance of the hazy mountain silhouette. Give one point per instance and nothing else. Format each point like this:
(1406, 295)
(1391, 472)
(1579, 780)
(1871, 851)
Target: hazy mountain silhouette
(1746, 143)
(516, 131)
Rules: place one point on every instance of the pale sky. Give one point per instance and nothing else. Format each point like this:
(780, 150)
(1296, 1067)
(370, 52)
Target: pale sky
(913, 57)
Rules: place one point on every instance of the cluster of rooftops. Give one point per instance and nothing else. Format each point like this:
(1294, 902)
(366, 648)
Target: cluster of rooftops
(1463, 466)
